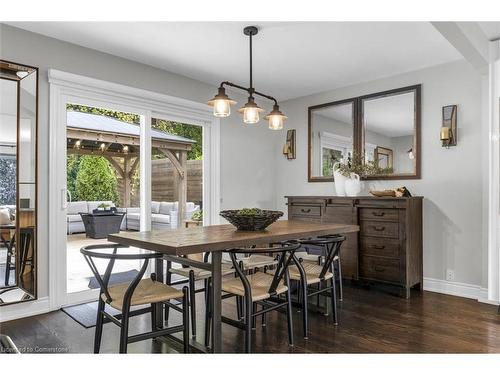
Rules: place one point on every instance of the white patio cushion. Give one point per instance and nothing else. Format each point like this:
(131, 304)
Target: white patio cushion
(166, 207)
(159, 218)
(5, 216)
(190, 206)
(77, 207)
(155, 207)
(134, 216)
(133, 210)
(74, 218)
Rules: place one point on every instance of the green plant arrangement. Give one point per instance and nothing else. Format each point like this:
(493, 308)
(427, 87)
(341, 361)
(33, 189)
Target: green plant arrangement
(356, 164)
(250, 212)
(104, 206)
(197, 216)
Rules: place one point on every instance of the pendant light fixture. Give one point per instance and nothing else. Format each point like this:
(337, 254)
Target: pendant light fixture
(221, 103)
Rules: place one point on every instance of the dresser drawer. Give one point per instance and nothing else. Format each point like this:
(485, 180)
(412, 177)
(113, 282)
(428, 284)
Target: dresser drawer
(303, 210)
(379, 269)
(387, 214)
(379, 229)
(382, 247)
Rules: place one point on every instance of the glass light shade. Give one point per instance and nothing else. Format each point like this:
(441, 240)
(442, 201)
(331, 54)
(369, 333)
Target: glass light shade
(276, 122)
(222, 108)
(251, 115)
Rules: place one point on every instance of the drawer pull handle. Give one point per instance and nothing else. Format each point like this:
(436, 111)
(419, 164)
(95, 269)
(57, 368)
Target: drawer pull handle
(379, 247)
(305, 211)
(374, 213)
(379, 269)
(379, 229)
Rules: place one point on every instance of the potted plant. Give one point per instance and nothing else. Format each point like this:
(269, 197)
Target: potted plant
(347, 172)
(197, 216)
(103, 207)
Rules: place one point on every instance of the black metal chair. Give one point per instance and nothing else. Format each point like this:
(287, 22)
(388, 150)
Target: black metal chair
(311, 273)
(138, 292)
(259, 289)
(9, 246)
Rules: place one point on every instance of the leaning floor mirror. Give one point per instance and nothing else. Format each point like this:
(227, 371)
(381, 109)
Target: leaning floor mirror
(18, 182)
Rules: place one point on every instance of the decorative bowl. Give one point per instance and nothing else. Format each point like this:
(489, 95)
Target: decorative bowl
(251, 221)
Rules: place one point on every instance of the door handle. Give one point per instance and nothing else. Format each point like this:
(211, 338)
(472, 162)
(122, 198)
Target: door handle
(374, 213)
(379, 229)
(379, 269)
(305, 211)
(379, 247)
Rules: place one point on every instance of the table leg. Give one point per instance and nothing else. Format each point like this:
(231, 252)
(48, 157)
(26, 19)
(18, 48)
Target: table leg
(216, 302)
(159, 306)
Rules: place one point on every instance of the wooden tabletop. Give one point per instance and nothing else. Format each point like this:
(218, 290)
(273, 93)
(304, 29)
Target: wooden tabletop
(222, 237)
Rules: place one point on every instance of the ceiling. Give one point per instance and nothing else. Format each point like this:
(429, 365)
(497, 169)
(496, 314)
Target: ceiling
(291, 59)
(491, 29)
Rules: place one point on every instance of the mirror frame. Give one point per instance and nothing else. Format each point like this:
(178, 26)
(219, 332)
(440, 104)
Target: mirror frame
(35, 229)
(356, 136)
(359, 132)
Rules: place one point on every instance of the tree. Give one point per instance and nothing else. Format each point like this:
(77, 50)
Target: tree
(193, 132)
(72, 167)
(8, 180)
(96, 180)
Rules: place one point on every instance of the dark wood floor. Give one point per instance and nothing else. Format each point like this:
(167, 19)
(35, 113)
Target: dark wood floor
(371, 321)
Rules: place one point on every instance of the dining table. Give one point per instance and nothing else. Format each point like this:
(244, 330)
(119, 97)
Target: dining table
(175, 244)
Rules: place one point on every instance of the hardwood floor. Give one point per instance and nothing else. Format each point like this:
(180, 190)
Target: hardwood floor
(371, 321)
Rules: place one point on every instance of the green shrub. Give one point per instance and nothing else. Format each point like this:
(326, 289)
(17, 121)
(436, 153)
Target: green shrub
(96, 180)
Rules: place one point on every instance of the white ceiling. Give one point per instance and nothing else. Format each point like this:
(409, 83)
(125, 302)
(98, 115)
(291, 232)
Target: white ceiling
(491, 29)
(291, 59)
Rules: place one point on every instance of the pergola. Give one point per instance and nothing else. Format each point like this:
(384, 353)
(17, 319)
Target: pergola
(98, 135)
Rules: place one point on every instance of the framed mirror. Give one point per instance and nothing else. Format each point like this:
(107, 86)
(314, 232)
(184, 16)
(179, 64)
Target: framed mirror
(18, 182)
(390, 123)
(382, 129)
(331, 137)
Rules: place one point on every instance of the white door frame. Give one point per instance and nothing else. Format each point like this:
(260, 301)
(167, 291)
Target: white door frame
(67, 87)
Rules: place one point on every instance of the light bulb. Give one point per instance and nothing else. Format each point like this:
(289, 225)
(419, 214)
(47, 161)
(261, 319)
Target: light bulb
(251, 115)
(222, 108)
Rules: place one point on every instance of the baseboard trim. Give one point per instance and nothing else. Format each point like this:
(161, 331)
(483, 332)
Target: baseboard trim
(458, 289)
(24, 309)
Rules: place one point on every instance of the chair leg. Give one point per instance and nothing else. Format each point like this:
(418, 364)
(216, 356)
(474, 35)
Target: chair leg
(339, 266)
(334, 301)
(168, 280)
(248, 324)
(254, 319)
(153, 317)
(239, 309)
(289, 313)
(192, 297)
(7, 267)
(305, 323)
(207, 313)
(185, 318)
(98, 326)
(124, 330)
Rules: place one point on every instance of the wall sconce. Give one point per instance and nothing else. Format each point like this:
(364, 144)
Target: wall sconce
(448, 134)
(289, 147)
(78, 144)
(125, 149)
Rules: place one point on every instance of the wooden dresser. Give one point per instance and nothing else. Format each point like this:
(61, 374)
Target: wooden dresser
(388, 247)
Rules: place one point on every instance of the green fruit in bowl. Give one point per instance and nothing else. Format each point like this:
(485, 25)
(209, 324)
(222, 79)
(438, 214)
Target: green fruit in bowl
(250, 212)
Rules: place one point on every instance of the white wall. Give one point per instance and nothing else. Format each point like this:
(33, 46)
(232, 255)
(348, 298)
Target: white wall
(246, 152)
(451, 181)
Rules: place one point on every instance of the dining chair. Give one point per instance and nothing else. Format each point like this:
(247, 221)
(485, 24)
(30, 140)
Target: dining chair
(138, 292)
(8, 242)
(308, 273)
(190, 275)
(259, 288)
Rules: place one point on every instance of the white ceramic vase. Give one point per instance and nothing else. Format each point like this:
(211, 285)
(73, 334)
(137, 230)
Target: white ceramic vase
(339, 183)
(352, 185)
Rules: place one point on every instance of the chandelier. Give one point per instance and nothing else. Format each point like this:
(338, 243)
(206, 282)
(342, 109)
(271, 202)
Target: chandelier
(221, 103)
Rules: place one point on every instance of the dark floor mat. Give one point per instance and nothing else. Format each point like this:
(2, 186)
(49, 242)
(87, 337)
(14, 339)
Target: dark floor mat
(116, 278)
(86, 313)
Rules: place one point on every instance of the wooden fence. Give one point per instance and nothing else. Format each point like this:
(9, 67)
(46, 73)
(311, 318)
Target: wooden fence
(163, 186)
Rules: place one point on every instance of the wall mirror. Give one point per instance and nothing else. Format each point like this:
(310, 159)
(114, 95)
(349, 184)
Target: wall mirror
(390, 129)
(331, 135)
(383, 127)
(18, 182)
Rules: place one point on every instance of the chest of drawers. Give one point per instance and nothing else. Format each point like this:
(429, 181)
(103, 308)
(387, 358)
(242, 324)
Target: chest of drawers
(388, 247)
